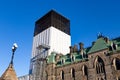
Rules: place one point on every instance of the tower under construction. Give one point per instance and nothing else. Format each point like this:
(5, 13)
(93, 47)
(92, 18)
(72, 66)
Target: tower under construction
(51, 33)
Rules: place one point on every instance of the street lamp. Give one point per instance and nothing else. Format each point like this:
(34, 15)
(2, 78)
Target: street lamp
(13, 51)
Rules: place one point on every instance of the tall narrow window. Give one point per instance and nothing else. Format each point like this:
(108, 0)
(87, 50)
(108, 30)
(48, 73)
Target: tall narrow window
(85, 71)
(114, 46)
(73, 73)
(62, 75)
(118, 64)
(118, 78)
(99, 65)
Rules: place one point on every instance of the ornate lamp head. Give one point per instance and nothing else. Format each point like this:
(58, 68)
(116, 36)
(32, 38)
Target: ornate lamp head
(15, 46)
(13, 51)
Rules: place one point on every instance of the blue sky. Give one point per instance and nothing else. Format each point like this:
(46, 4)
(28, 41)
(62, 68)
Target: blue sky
(17, 17)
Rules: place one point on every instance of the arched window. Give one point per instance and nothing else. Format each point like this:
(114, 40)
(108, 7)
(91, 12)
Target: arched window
(99, 65)
(118, 78)
(73, 73)
(62, 75)
(116, 63)
(85, 70)
(102, 79)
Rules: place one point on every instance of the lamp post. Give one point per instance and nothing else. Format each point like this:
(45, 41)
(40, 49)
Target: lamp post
(13, 51)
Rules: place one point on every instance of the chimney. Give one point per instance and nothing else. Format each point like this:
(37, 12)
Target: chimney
(81, 48)
(71, 49)
(75, 48)
(81, 45)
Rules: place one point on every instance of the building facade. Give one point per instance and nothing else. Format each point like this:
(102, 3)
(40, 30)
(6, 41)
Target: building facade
(101, 61)
(54, 59)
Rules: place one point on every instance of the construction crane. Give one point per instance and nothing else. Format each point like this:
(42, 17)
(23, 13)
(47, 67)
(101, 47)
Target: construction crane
(39, 62)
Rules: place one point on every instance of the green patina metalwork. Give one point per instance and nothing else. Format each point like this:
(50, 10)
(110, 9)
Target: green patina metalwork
(100, 44)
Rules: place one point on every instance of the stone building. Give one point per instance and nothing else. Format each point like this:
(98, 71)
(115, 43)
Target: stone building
(53, 60)
(101, 61)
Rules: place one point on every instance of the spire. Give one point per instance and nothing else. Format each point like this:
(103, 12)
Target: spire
(99, 35)
(9, 74)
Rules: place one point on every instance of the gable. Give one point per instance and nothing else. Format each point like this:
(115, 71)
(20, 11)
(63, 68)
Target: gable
(100, 44)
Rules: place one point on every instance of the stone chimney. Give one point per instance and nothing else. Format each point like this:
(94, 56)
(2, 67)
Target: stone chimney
(71, 49)
(81, 45)
(75, 48)
(81, 48)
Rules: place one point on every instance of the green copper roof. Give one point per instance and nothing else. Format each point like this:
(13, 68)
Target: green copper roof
(51, 58)
(77, 56)
(100, 44)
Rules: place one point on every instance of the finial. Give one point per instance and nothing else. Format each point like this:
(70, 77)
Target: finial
(99, 35)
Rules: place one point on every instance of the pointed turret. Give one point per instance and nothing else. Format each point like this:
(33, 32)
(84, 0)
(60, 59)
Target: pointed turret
(9, 74)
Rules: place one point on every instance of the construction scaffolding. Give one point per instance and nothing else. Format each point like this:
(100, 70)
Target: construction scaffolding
(39, 62)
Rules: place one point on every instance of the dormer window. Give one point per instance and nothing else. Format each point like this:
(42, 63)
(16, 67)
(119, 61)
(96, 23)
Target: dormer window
(72, 58)
(111, 47)
(114, 46)
(62, 61)
(83, 53)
